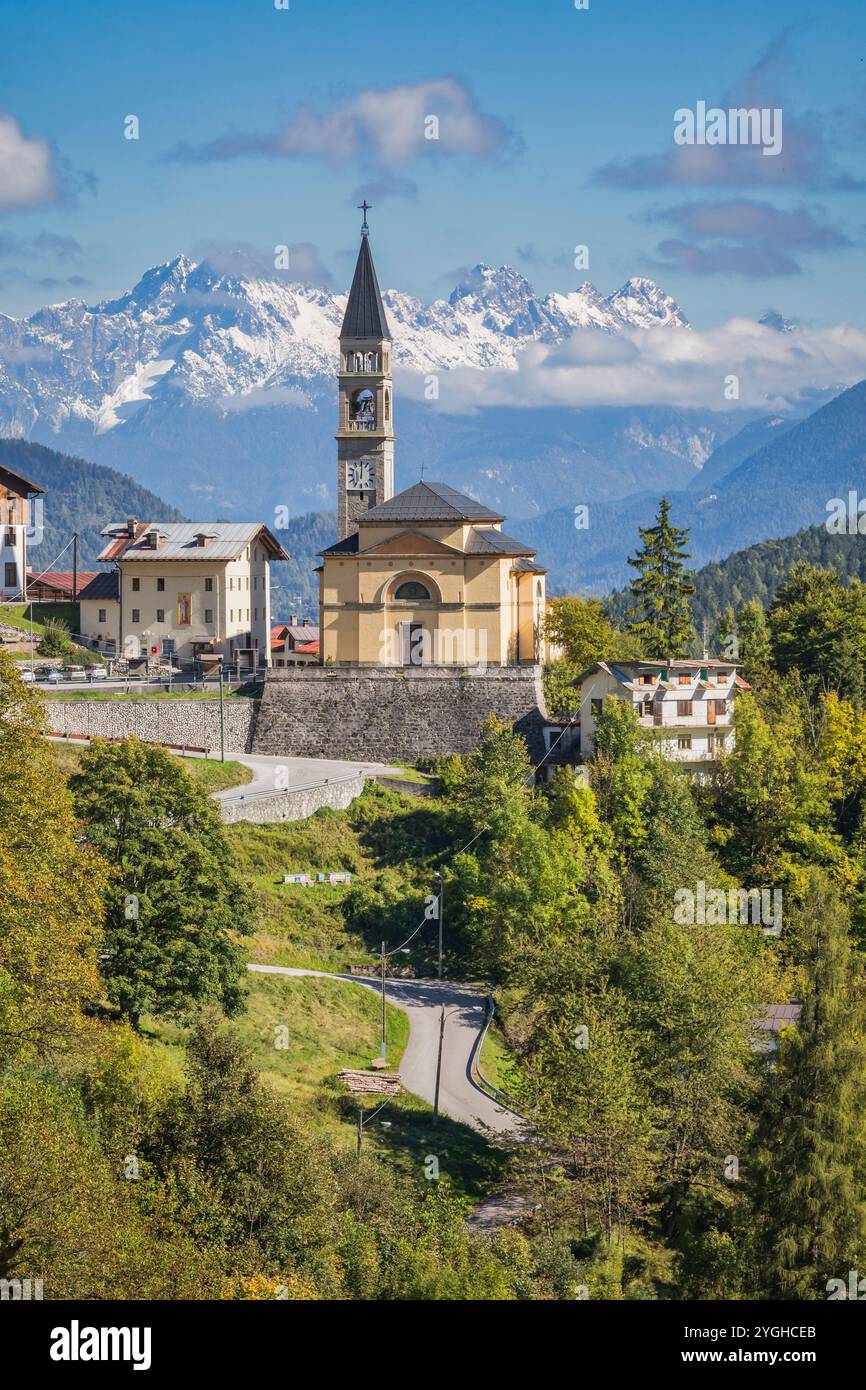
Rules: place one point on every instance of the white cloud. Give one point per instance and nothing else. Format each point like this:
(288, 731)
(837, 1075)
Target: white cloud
(27, 173)
(378, 127)
(659, 367)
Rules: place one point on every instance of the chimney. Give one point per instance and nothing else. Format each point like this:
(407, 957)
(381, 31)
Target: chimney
(293, 620)
(202, 538)
(153, 539)
(132, 526)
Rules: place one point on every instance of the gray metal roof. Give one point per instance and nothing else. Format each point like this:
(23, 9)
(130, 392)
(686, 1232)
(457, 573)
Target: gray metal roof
(179, 541)
(490, 542)
(100, 586)
(365, 313)
(430, 502)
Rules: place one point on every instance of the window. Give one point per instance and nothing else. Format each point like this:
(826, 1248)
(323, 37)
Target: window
(231, 581)
(411, 590)
(647, 678)
(160, 615)
(684, 708)
(255, 615)
(711, 744)
(208, 615)
(721, 706)
(103, 615)
(684, 743)
(10, 535)
(136, 615)
(136, 585)
(208, 586)
(648, 707)
(685, 678)
(160, 586)
(255, 582)
(231, 615)
(248, 615)
(596, 706)
(11, 580)
(184, 610)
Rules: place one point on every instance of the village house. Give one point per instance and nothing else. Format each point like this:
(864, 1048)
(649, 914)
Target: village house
(188, 590)
(294, 643)
(17, 495)
(687, 704)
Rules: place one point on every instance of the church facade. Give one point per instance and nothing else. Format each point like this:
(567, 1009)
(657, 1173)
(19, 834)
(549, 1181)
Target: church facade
(426, 577)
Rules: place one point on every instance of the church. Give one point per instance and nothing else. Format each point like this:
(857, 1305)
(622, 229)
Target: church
(426, 577)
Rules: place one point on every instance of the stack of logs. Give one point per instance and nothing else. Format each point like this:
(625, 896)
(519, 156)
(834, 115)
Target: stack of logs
(362, 1083)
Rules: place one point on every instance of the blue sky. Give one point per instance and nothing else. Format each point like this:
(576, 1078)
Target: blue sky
(258, 125)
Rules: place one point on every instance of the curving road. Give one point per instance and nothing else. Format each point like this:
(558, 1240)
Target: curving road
(460, 1096)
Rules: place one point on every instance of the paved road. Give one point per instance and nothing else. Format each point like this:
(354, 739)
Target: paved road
(296, 774)
(459, 1095)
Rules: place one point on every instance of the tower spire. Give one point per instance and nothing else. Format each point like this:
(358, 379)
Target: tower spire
(365, 431)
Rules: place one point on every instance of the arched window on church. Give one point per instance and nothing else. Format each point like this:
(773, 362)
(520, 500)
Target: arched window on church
(411, 591)
(371, 362)
(387, 405)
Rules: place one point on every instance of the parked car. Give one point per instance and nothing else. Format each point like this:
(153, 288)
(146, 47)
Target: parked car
(28, 676)
(75, 673)
(98, 673)
(55, 676)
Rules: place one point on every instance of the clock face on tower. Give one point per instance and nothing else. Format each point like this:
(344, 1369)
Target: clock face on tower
(361, 475)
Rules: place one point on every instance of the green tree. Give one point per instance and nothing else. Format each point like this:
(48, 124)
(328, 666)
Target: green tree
(818, 628)
(811, 1150)
(56, 639)
(755, 649)
(51, 887)
(176, 900)
(661, 591)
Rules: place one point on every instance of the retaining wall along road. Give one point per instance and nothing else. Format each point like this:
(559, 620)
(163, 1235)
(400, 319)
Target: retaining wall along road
(182, 723)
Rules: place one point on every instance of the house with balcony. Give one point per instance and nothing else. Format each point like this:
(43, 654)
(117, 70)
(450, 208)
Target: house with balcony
(687, 704)
(19, 518)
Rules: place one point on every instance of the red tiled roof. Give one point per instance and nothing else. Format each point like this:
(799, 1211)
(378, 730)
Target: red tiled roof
(308, 648)
(62, 580)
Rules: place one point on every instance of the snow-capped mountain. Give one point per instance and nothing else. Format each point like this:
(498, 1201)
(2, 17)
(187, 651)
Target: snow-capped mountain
(196, 377)
(206, 336)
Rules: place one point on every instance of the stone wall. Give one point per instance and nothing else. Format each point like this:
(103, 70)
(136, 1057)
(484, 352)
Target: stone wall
(266, 807)
(389, 714)
(181, 723)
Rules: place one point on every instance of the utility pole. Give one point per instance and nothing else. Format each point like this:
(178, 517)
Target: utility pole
(75, 567)
(360, 1129)
(442, 1014)
(441, 915)
(384, 1046)
(222, 720)
(439, 1063)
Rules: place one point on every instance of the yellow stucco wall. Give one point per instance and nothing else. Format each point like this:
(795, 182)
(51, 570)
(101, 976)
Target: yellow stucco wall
(479, 613)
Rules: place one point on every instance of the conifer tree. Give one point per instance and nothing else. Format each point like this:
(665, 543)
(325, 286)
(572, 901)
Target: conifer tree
(810, 1169)
(662, 588)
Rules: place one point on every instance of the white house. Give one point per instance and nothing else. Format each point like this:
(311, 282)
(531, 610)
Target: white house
(687, 704)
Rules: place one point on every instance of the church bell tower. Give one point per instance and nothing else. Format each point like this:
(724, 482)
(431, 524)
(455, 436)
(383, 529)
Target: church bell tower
(365, 431)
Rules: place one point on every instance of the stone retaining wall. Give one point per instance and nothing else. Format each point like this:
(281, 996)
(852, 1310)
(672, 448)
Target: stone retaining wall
(385, 714)
(292, 805)
(182, 723)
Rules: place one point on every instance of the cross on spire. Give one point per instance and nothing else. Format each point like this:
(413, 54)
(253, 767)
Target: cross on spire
(365, 208)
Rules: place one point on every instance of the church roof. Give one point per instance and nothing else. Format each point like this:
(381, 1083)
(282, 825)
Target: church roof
(430, 502)
(365, 312)
(484, 542)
